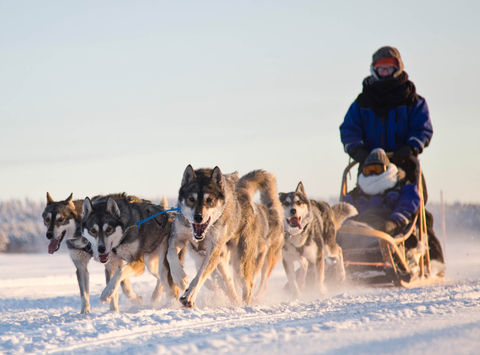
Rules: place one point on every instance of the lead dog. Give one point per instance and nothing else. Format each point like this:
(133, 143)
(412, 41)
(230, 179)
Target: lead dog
(63, 221)
(310, 237)
(109, 224)
(221, 224)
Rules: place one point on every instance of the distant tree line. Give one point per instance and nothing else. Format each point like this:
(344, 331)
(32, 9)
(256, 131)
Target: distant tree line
(22, 229)
(21, 226)
(459, 217)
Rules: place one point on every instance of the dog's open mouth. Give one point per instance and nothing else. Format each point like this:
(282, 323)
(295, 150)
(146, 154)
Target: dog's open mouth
(294, 222)
(103, 258)
(55, 243)
(199, 229)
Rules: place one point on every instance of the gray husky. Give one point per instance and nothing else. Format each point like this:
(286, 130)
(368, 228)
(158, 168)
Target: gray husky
(63, 221)
(222, 225)
(310, 238)
(109, 224)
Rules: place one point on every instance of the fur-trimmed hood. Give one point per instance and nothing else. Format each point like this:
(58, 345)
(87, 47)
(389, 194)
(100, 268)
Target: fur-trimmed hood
(378, 184)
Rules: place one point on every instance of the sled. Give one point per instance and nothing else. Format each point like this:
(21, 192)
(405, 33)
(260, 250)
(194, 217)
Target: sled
(374, 257)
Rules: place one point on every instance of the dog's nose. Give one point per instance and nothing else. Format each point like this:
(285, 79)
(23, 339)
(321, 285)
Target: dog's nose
(197, 218)
(101, 249)
(293, 211)
(49, 235)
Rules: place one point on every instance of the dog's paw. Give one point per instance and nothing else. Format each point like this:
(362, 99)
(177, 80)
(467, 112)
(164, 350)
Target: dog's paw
(85, 310)
(106, 296)
(187, 299)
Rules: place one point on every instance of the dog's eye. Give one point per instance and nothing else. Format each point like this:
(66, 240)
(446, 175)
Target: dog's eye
(60, 220)
(209, 201)
(47, 220)
(108, 230)
(286, 203)
(298, 203)
(191, 199)
(92, 231)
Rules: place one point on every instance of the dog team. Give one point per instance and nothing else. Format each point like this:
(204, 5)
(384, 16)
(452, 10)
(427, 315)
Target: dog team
(231, 238)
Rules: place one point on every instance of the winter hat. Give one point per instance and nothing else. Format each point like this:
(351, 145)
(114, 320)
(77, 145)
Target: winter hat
(377, 156)
(387, 55)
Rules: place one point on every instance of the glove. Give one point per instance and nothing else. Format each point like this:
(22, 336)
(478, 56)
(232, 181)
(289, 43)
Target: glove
(399, 219)
(402, 154)
(360, 154)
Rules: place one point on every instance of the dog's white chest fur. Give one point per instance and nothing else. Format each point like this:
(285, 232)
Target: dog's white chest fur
(297, 240)
(310, 252)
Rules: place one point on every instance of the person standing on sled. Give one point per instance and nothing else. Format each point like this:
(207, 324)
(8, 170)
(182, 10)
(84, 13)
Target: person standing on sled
(386, 201)
(388, 114)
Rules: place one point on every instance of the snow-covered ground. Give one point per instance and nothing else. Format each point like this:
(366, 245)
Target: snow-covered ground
(39, 313)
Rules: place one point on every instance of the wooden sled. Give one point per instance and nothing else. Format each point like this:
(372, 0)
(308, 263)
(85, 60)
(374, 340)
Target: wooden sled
(375, 257)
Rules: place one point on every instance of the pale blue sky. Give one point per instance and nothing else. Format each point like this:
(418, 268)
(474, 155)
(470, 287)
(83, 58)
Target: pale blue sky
(109, 96)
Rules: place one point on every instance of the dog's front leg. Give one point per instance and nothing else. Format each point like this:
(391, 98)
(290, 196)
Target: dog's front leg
(210, 262)
(81, 262)
(179, 277)
(115, 263)
(292, 278)
(134, 268)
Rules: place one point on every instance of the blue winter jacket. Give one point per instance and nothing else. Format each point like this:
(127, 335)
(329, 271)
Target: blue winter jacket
(402, 201)
(403, 125)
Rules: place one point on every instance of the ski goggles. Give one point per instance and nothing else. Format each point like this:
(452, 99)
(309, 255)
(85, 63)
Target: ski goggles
(374, 169)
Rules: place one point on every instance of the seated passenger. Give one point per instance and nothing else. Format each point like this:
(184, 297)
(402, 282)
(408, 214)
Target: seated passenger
(383, 197)
(388, 202)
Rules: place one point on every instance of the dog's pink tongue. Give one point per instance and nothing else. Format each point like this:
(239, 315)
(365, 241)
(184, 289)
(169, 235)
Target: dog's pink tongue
(53, 246)
(295, 222)
(197, 229)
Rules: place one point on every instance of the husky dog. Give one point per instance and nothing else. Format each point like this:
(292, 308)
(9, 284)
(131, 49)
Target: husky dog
(310, 237)
(221, 224)
(109, 224)
(63, 221)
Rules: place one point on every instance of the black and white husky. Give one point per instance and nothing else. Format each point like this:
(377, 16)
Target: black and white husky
(109, 223)
(63, 221)
(310, 238)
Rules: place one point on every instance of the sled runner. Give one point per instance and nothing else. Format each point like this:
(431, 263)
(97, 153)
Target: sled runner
(375, 257)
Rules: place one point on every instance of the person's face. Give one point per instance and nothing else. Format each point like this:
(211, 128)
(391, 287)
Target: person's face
(385, 70)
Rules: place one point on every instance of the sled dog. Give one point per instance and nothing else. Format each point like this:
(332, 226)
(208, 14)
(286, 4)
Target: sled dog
(63, 221)
(310, 238)
(221, 225)
(109, 224)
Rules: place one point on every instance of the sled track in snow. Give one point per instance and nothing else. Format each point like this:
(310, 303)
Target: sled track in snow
(168, 330)
(242, 323)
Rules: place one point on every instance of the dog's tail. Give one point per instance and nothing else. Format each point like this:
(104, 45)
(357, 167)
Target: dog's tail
(342, 211)
(266, 184)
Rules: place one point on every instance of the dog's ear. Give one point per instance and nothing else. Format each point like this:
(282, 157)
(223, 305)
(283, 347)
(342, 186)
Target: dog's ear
(217, 177)
(281, 196)
(49, 199)
(86, 208)
(188, 175)
(300, 189)
(112, 207)
(70, 203)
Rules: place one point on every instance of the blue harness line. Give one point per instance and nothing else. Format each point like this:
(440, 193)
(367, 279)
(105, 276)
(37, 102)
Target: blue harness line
(155, 215)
